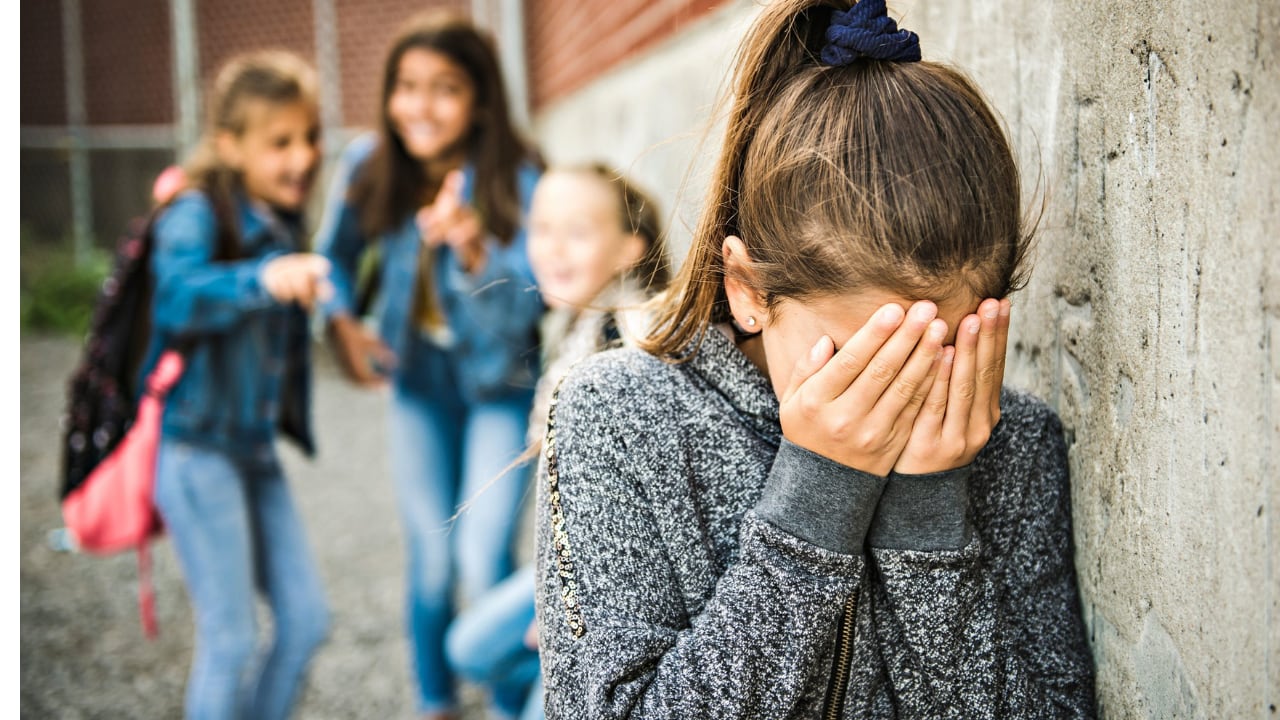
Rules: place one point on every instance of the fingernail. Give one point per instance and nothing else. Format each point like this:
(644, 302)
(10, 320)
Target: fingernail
(889, 315)
(990, 312)
(1005, 307)
(948, 354)
(937, 329)
(925, 311)
(815, 354)
(973, 327)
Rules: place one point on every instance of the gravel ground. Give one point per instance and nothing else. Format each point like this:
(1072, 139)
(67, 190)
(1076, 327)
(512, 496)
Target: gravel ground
(83, 654)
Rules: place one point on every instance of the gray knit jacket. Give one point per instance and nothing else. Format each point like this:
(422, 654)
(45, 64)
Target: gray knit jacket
(694, 564)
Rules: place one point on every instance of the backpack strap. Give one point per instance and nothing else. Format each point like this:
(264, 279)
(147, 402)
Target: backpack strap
(146, 592)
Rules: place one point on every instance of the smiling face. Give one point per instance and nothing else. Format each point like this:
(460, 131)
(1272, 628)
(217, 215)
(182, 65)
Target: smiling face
(577, 245)
(431, 105)
(277, 153)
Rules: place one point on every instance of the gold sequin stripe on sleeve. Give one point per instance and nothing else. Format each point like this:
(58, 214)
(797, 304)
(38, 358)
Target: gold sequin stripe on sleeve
(564, 560)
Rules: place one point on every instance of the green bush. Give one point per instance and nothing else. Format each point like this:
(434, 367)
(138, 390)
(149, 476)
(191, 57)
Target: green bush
(58, 294)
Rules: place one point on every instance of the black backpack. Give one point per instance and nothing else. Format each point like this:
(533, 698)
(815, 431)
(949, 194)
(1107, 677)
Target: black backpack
(103, 401)
(103, 393)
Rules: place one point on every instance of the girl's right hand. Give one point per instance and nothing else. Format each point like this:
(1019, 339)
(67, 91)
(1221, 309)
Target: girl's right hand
(857, 407)
(358, 350)
(963, 407)
(298, 277)
(449, 220)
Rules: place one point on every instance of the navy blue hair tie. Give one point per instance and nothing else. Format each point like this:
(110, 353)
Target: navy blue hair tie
(866, 30)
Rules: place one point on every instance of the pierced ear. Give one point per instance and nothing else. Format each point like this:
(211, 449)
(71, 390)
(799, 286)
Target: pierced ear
(748, 308)
(227, 145)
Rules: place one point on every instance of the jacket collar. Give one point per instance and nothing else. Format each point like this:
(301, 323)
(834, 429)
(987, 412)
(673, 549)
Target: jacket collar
(260, 224)
(719, 361)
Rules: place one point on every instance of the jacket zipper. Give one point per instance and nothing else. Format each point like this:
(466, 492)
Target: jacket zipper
(844, 655)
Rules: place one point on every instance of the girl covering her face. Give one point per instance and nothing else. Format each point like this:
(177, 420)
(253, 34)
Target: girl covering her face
(808, 495)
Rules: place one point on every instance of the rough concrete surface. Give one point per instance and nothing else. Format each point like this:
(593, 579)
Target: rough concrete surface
(1149, 324)
(1152, 321)
(83, 654)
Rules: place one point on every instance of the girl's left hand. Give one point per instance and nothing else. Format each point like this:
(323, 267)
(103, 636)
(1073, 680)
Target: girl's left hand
(451, 221)
(963, 406)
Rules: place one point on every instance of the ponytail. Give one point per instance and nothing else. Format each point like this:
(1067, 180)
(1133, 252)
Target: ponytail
(848, 164)
(786, 37)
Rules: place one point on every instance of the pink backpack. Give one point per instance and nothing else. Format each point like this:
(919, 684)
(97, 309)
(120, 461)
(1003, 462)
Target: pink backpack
(112, 508)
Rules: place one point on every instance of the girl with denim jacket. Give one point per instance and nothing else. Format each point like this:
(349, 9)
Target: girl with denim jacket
(231, 291)
(439, 193)
(807, 495)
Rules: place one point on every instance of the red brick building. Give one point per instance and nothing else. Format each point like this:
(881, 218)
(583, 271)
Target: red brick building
(110, 89)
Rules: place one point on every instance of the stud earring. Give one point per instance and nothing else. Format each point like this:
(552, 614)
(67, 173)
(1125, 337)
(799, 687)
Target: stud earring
(751, 321)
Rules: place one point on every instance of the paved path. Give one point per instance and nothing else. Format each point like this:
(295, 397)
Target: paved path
(83, 654)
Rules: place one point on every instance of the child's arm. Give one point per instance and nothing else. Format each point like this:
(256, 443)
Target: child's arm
(978, 637)
(615, 638)
(976, 631)
(342, 241)
(194, 294)
(340, 238)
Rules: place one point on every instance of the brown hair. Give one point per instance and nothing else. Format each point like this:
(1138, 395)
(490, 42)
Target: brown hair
(274, 76)
(393, 184)
(638, 214)
(886, 175)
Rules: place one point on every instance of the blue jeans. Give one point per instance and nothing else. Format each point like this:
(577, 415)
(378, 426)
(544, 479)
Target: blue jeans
(235, 530)
(459, 499)
(486, 646)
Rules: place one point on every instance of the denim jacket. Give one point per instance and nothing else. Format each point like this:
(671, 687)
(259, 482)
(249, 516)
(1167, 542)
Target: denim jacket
(492, 317)
(248, 366)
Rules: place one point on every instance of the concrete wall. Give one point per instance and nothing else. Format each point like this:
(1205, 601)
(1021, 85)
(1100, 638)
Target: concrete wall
(1152, 322)
(652, 117)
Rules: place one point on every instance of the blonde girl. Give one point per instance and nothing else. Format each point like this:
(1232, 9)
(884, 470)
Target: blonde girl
(232, 289)
(598, 254)
(597, 250)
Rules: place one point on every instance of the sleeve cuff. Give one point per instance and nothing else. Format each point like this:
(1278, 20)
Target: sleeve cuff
(336, 305)
(257, 289)
(923, 512)
(819, 500)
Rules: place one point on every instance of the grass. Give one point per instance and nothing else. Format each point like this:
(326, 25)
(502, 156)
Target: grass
(57, 293)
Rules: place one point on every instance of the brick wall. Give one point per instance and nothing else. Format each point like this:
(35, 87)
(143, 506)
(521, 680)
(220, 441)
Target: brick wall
(128, 77)
(366, 28)
(43, 100)
(127, 50)
(228, 27)
(571, 43)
